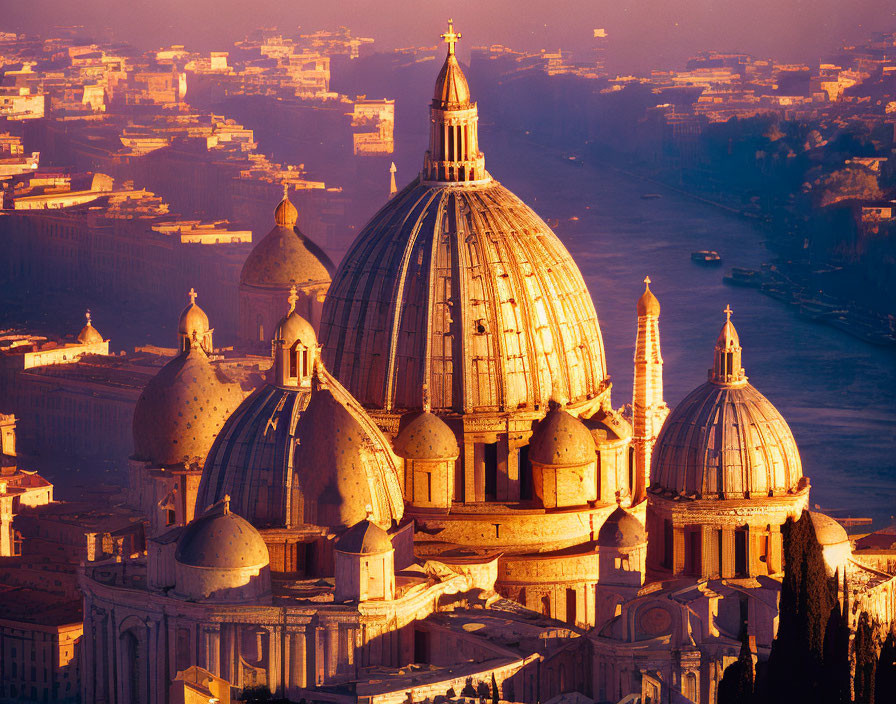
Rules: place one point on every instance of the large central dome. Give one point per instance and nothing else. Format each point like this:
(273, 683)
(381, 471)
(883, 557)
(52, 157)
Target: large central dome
(456, 288)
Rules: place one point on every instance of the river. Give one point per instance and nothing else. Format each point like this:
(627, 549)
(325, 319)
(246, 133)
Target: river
(836, 392)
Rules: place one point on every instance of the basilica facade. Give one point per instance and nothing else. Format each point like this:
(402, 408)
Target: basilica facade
(432, 490)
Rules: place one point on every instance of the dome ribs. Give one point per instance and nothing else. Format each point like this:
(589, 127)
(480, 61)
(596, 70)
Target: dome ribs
(464, 290)
(398, 308)
(727, 442)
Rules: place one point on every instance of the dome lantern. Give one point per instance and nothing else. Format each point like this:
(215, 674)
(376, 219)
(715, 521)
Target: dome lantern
(295, 347)
(286, 214)
(193, 329)
(454, 125)
(727, 367)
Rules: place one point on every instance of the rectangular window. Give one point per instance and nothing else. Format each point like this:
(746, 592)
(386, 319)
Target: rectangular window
(490, 461)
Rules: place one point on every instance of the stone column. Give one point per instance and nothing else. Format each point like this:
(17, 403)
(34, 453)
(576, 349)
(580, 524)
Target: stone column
(228, 653)
(727, 552)
(273, 664)
(709, 549)
(678, 550)
(469, 471)
(297, 665)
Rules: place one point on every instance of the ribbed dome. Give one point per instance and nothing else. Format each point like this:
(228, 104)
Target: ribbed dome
(289, 456)
(221, 539)
(621, 530)
(467, 290)
(426, 437)
(285, 256)
(561, 439)
(182, 409)
(364, 538)
(452, 89)
(725, 441)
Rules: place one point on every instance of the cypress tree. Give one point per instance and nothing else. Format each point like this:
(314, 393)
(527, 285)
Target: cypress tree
(736, 685)
(866, 661)
(495, 696)
(885, 676)
(836, 652)
(795, 670)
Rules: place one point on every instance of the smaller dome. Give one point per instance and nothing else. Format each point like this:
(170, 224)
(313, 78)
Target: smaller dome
(561, 439)
(647, 303)
(621, 530)
(182, 409)
(364, 538)
(193, 323)
(89, 335)
(451, 88)
(220, 539)
(426, 437)
(286, 214)
(827, 530)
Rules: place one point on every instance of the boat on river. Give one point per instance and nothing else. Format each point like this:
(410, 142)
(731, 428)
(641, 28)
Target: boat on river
(706, 257)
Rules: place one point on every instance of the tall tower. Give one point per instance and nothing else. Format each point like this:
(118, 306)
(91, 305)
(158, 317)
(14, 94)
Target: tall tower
(454, 125)
(649, 410)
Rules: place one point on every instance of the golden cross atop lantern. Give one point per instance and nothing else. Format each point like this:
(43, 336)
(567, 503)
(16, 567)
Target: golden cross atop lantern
(647, 280)
(451, 37)
(192, 294)
(728, 312)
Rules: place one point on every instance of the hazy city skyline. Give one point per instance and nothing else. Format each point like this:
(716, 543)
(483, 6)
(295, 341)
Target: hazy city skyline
(641, 35)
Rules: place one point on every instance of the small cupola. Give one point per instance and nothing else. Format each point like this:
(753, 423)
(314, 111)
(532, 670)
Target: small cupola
(295, 348)
(365, 564)
(193, 329)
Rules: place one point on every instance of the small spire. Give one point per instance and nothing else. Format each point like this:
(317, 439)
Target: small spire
(728, 313)
(293, 297)
(427, 404)
(451, 37)
(87, 315)
(647, 281)
(285, 191)
(393, 187)
(192, 295)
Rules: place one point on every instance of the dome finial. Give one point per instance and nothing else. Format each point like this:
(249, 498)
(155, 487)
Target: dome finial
(293, 297)
(226, 503)
(451, 37)
(87, 315)
(728, 312)
(191, 294)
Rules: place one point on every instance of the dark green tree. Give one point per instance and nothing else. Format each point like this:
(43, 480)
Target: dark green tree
(795, 672)
(885, 675)
(836, 651)
(495, 695)
(866, 661)
(736, 685)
